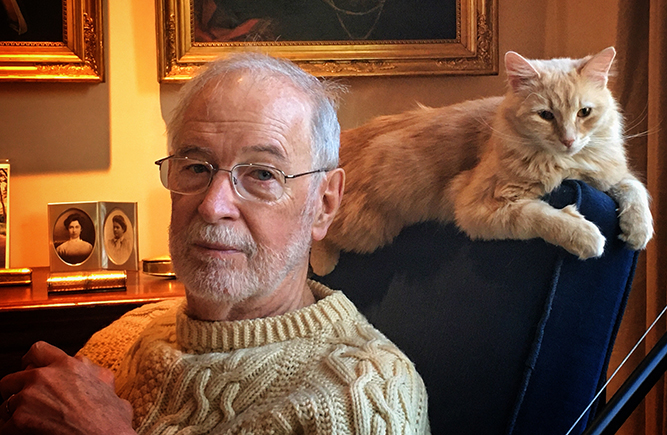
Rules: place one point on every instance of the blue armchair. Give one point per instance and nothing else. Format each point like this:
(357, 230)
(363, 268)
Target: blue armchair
(511, 337)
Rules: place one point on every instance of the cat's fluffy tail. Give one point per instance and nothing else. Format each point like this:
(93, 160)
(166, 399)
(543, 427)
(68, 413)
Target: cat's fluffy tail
(323, 257)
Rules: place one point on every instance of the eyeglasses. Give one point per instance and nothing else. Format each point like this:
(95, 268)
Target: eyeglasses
(251, 181)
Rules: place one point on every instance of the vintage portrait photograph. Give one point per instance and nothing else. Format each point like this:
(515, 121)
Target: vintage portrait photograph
(118, 236)
(74, 236)
(4, 214)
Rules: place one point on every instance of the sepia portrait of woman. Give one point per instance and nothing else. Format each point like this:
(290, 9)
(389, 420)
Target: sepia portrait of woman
(76, 250)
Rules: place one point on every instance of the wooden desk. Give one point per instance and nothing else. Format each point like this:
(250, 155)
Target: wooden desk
(28, 313)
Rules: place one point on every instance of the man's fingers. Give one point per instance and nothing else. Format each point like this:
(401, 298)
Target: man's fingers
(7, 409)
(42, 354)
(11, 384)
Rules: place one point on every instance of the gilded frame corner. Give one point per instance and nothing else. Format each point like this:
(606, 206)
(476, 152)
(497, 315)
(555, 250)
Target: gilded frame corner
(79, 57)
(473, 52)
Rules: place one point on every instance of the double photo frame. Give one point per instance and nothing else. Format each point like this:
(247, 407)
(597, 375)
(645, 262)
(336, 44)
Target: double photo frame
(93, 236)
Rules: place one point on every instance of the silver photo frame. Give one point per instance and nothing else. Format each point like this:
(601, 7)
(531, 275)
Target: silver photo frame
(93, 236)
(119, 236)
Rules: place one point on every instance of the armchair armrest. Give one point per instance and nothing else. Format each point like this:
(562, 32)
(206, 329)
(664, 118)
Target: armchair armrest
(511, 337)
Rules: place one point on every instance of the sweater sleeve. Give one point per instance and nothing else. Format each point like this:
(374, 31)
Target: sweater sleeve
(386, 394)
(108, 346)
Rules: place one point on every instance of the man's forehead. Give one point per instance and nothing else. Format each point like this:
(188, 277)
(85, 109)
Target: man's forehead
(268, 114)
(242, 85)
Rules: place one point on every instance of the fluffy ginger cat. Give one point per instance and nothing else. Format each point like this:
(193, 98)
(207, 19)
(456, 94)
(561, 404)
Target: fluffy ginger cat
(484, 164)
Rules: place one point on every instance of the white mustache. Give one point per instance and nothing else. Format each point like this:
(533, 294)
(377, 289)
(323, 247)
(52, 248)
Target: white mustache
(202, 233)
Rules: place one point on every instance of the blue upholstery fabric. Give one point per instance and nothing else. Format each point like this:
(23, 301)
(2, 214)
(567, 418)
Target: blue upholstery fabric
(511, 337)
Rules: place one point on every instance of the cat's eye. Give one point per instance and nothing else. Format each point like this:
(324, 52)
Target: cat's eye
(546, 115)
(584, 112)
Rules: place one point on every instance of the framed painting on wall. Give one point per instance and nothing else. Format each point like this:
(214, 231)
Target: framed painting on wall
(332, 37)
(52, 40)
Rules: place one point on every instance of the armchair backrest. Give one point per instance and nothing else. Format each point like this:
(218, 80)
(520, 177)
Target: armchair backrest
(511, 337)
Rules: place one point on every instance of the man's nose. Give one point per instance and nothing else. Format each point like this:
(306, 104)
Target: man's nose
(220, 200)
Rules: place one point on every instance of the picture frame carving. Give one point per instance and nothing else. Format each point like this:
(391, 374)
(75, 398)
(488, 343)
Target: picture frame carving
(472, 51)
(78, 57)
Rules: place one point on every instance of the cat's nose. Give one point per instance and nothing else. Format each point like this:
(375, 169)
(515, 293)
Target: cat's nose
(567, 142)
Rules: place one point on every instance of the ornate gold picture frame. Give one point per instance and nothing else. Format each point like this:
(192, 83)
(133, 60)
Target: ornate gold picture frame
(78, 56)
(469, 47)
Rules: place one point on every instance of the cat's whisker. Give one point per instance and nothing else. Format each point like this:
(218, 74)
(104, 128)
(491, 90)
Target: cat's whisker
(645, 133)
(639, 120)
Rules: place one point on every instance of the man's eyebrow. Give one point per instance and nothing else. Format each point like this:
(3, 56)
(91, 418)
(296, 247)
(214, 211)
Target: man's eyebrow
(207, 154)
(270, 149)
(189, 150)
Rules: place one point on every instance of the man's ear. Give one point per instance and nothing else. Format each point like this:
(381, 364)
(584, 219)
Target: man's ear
(330, 196)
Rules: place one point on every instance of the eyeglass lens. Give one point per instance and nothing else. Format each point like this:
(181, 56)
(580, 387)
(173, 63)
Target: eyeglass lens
(254, 182)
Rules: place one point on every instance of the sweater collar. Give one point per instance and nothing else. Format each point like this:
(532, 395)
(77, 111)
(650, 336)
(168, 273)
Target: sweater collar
(199, 336)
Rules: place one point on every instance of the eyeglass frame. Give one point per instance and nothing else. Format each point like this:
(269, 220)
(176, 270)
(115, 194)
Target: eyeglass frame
(215, 170)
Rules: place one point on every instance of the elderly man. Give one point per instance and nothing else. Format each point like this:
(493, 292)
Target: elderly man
(255, 347)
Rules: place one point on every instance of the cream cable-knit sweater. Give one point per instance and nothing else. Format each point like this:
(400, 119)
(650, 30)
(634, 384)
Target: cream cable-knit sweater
(322, 369)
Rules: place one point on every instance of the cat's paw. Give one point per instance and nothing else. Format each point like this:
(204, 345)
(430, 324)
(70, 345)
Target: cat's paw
(323, 258)
(585, 239)
(636, 225)
(634, 217)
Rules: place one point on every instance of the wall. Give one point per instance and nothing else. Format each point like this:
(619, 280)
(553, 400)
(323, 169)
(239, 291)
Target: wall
(98, 142)
(132, 137)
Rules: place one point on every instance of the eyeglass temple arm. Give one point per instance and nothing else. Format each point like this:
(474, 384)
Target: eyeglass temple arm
(306, 173)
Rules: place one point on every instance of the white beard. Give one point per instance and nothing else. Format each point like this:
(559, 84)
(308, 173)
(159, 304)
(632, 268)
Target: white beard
(219, 281)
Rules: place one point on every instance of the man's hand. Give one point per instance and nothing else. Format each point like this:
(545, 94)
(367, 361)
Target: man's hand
(58, 394)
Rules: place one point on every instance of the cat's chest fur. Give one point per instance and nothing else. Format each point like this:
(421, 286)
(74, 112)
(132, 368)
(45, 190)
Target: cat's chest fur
(546, 171)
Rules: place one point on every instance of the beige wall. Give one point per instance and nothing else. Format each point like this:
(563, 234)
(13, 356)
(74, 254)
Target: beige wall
(78, 142)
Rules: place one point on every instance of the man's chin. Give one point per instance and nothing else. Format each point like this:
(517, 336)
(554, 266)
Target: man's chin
(219, 297)
(217, 281)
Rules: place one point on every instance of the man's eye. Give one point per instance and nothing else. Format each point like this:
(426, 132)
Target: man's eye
(262, 175)
(197, 168)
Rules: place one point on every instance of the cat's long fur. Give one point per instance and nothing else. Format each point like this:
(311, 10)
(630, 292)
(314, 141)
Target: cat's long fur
(484, 164)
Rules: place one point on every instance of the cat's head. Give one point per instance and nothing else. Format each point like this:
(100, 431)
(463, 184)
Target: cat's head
(559, 104)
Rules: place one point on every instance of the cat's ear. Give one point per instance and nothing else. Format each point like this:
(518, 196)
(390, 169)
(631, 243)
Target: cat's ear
(597, 67)
(519, 70)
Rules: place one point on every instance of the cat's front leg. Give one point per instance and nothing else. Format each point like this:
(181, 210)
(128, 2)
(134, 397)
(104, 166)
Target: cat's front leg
(634, 213)
(531, 218)
(583, 239)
